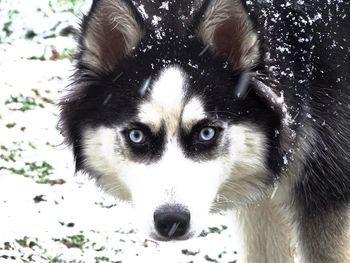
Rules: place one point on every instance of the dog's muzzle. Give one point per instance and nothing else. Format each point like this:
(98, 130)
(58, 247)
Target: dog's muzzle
(172, 221)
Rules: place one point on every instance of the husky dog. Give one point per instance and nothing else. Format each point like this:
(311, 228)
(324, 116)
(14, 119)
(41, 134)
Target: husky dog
(184, 108)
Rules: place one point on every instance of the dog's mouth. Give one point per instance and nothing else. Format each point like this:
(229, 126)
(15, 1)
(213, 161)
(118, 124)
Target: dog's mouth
(156, 236)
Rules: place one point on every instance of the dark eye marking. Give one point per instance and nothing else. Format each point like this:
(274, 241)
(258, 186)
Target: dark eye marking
(137, 134)
(205, 131)
(143, 144)
(202, 140)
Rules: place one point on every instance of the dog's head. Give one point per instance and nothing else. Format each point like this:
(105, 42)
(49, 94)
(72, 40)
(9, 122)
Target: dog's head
(166, 111)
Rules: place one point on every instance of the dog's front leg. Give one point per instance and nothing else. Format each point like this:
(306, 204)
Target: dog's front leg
(266, 233)
(324, 235)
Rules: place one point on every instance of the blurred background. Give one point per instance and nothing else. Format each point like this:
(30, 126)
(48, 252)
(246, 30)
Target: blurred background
(46, 213)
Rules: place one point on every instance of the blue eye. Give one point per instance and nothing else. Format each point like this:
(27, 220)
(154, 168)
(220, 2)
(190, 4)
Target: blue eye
(136, 136)
(207, 134)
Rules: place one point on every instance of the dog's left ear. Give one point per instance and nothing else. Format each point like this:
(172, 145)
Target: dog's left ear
(226, 28)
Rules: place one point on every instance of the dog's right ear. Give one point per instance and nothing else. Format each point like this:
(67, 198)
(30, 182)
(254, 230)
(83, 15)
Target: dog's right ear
(109, 32)
(226, 28)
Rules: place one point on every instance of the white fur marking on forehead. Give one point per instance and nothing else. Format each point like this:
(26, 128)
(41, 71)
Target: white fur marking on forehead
(150, 116)
(193, 112)
(166, 100)
(167, 91)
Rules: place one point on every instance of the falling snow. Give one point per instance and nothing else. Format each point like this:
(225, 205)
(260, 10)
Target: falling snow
(141, 9)
(156, 20)
(165, 5)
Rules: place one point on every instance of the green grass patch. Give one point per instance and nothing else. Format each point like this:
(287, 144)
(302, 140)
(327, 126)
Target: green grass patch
(11, 154)
(72, 6)
(68, 53)
(28, 242)
(11, 125)
(59, 259)
(101, 259)
(12, 161)
(7, 27)
(22, 103)
(76, 241)
(207, 258)
(217, 230)
(27, 103)
(37, 171)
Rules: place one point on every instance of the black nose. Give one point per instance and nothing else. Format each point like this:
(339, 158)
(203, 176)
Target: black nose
(172, 221)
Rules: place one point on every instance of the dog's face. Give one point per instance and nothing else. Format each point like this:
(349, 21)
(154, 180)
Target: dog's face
(166, 119)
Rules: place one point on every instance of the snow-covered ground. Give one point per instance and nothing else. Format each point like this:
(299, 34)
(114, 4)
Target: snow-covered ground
(46, 213)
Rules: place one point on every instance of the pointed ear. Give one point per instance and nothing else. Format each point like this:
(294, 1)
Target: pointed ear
(226, 28)
(109, 32)
(276, 101)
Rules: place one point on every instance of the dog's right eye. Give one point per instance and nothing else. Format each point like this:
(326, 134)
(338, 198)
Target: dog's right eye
(207, 134)
(136, 136)
(142, 144)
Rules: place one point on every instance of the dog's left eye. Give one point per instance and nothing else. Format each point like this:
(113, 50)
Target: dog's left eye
(207, 134)
(136, 136)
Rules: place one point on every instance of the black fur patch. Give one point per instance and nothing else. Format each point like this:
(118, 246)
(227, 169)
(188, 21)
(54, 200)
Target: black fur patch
(153, 147)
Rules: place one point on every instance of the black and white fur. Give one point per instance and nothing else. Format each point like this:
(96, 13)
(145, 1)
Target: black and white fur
(269, 79)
